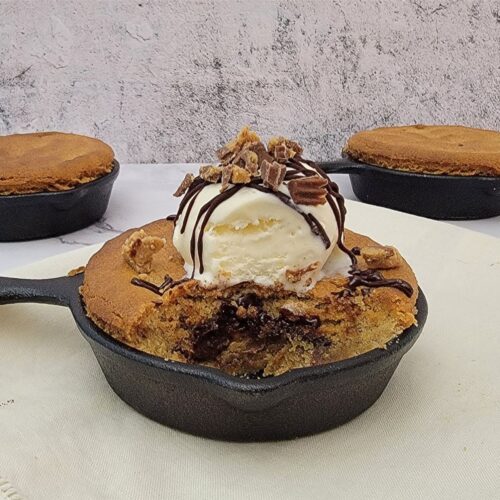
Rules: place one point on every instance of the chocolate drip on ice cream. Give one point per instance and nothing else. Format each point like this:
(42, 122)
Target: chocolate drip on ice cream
(297, 171)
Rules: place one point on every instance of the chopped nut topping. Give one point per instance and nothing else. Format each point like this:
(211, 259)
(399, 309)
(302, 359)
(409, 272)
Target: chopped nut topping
(272, 174)
(138, 250)
(211, 173)
(283, 149)
(295, 275)
(186, 182)
(308, 190)
(240, 175)
(227, 172)
(381, 257)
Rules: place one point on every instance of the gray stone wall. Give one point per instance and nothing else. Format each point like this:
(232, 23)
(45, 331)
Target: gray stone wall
(170, 80)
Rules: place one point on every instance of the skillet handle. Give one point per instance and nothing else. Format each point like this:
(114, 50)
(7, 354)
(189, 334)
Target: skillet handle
(56, 291)
(341, 166)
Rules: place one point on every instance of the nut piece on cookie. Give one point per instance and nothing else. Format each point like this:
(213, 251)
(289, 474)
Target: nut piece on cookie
(138, 250)
(381, 257)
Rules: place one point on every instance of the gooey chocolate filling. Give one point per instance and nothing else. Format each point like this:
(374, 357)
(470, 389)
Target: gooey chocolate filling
(214, 336)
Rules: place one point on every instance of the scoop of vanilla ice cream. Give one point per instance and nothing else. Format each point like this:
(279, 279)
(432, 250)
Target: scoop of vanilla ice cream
(254, 237)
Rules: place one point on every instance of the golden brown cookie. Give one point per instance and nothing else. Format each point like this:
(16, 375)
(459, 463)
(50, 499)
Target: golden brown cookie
(245, 328)
(51, 161)
(433, 149)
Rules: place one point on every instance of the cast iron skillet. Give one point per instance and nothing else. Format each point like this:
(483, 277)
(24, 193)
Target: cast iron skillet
(451, 197)
(42, 215)
(210, 403)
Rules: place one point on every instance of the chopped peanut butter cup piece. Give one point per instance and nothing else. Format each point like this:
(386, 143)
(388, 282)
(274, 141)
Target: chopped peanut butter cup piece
(138, 250)
(308, 190)
(260, 150)
(78, 270)
(240, 175)
(211, 173)
(186, 182)
(283, 149)
(381, 257)
(272, 174)
(249, 160)
(225, 155)
(228, 153)
(227, 172)
(282, 153)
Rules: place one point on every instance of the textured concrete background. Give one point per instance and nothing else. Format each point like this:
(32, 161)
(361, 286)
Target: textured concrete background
(171, 80)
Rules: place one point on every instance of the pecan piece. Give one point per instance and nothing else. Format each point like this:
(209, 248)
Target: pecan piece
(184, 186)
(385, 257)
(272, 174)
(138, 250)
(210, 173)
(308, 190)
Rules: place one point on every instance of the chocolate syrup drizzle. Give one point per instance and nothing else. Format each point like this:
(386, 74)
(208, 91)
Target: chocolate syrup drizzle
(357, 277)
(167, 284)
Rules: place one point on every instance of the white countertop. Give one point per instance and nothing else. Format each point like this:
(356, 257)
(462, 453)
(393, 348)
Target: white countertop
(142, 193)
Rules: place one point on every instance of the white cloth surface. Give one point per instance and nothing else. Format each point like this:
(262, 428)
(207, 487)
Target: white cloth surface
(434, 433)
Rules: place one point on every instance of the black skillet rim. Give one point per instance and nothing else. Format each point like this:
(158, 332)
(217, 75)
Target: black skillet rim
(242, 385)
(405, 173)
(41, 194)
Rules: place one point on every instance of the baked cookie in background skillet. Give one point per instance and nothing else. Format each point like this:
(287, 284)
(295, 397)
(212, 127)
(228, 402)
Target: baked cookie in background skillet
(52, 183)
(437, 171)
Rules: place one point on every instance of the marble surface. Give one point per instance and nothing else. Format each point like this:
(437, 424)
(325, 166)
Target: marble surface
(163, 80)
(142, 193)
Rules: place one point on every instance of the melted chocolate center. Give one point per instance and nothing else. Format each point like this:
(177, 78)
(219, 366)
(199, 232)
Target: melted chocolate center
(213, 336)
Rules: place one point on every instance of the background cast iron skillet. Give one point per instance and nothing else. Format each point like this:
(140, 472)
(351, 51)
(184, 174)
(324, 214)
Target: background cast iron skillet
(451, 197)
(210, 403)
(41, 215)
